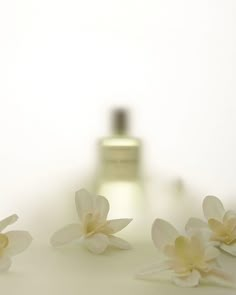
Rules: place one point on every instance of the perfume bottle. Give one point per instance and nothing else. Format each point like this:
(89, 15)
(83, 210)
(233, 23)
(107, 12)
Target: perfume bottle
(119, 175)
(119, 154)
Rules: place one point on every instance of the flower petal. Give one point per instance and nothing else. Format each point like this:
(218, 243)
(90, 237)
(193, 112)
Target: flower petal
(213, 208)
(18, 242)
(84, 203)
(229, 215)
(211, 253)
(204, 237)
(119, 243)
(115, 225)
(7, 221)
(191, 280)
(67, 234)
(231, 249)
(97, 243)
(216, 226)
(169, 251)
(101, 207)
(195, 224)
(163, 233)
(5, 263)
(155, 271)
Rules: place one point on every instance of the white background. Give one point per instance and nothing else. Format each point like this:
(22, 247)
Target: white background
(65, 64)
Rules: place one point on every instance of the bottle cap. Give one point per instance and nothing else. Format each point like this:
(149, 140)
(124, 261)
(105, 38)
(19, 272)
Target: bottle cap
(119, 121)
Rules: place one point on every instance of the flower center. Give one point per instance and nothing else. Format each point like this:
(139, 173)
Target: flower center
(226, 233)
(188, 255)
(92, 224)
(3, 242)
(223, 231)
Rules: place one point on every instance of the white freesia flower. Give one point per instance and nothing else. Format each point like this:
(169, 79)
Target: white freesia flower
(11, 242)
(187, 258)
(221, 224)
(96, 232)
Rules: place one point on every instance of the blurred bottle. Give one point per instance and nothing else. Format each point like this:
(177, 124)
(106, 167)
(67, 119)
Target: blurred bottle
(119, 154)
(119, 176)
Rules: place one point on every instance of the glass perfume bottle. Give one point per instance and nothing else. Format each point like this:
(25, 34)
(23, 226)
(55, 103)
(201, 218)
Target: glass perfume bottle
(119, 176)
(119, 153)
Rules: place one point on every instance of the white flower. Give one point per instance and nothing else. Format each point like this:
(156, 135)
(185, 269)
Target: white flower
(94, 229)
(220, 223)
(11, 242)
(187, 258)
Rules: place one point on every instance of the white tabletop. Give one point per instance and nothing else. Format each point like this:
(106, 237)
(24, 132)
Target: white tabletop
(73, 270)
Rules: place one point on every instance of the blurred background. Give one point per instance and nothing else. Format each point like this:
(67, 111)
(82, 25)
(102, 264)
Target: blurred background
(64, 65)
